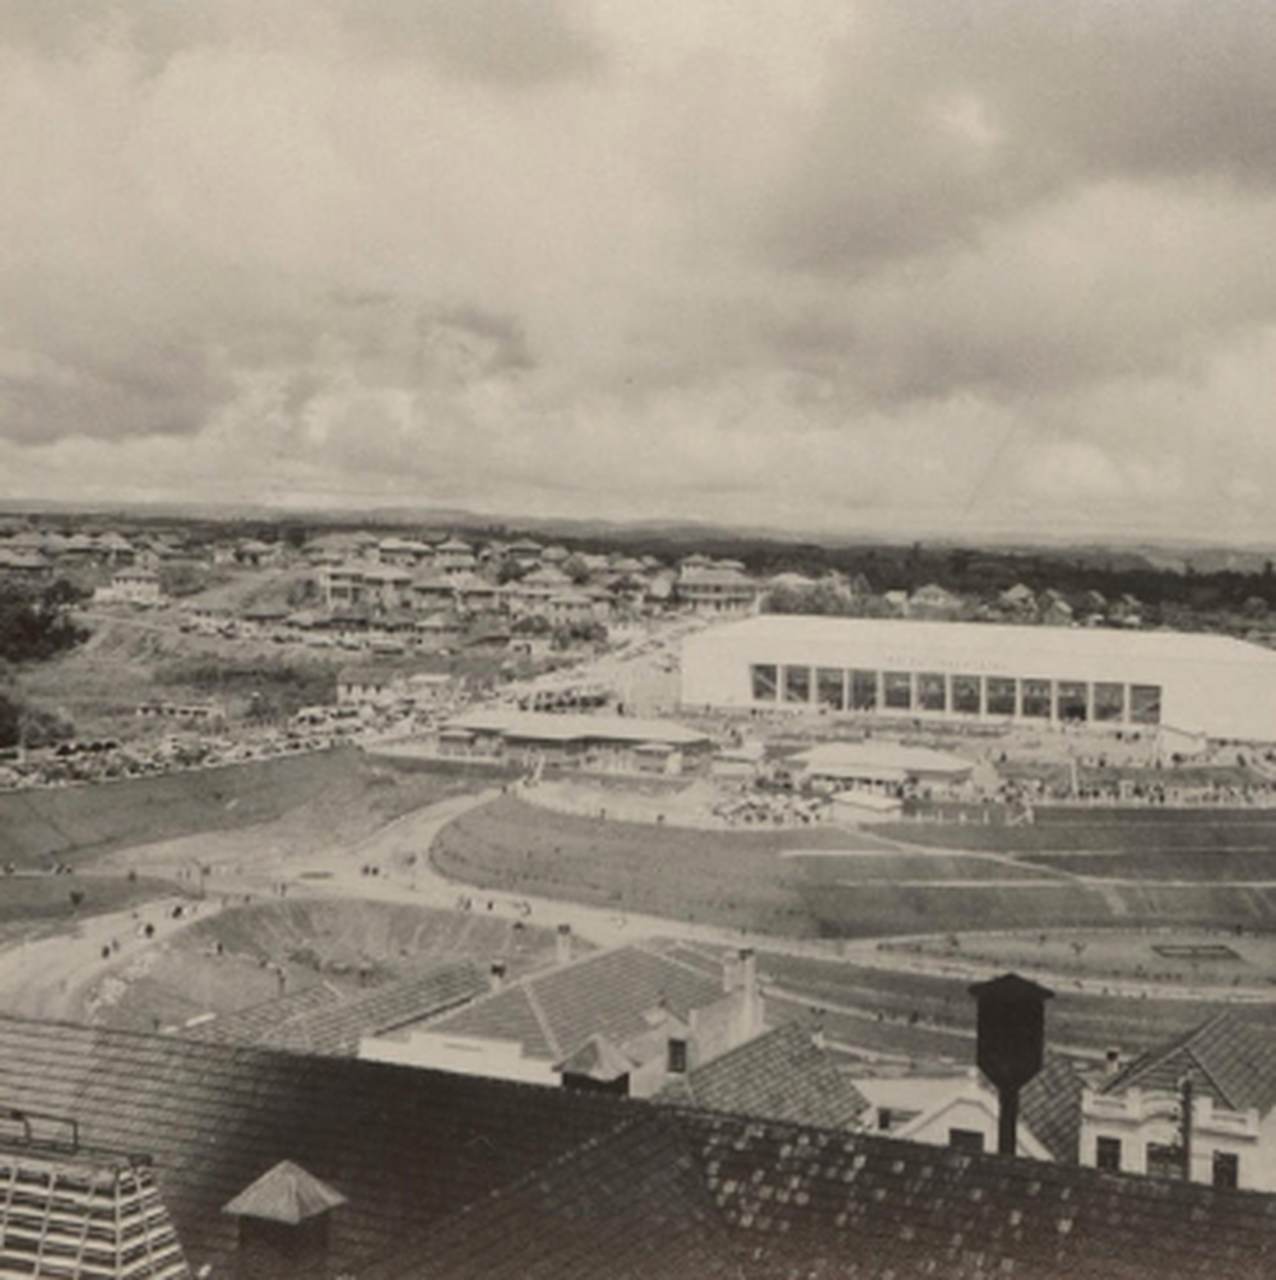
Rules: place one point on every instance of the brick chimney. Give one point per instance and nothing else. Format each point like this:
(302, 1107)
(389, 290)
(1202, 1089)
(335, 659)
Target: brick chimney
(284, 1219)
(563, 944)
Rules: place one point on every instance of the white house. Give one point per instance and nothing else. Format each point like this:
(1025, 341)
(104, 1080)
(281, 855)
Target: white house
(1226, 1070)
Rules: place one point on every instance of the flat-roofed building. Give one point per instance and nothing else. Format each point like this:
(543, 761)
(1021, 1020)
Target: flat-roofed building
(1207, 685)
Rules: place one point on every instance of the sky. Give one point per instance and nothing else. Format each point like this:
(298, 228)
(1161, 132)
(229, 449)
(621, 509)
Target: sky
(846, 266)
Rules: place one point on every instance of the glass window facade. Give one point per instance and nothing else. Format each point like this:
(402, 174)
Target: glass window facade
(1001, 696)
(1036, 699)
(966, 695)
(797, 684)
(1109, 702)
(1145, 703)
(830, 688)
(765, 679)
(863, 690)
(1070, 700)
(897, 691)
(932, 692)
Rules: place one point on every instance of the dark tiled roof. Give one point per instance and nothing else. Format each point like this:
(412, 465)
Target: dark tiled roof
(553, 1013)
(816, 1203)
(1230, 1060)
(780, 1075)
(252, 1025)
(338, 1028)
(628, 1205)
(406, 1147)
(1050, 1106)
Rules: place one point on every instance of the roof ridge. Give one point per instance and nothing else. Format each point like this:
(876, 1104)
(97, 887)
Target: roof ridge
(542, 1021)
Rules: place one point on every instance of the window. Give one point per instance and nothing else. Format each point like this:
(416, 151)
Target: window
(897, 693)
(1001, 696)
(1070, 700)
(884, 1118)
(1226, 1170)
(932, 693)
(1109, 702)
(765, 679)
(677, 1057)
(965, 1139)
(797, 684)
(1164, 1160)
(966, 695)
(830, 688)
(1145, 703)
(863, 690)
(1036, 699)
(1107, 1154)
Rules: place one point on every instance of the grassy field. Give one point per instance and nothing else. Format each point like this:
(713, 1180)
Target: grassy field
(28, 900)
(340, 789)
(738, 879)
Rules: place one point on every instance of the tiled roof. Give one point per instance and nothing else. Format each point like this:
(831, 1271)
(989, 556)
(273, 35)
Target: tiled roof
(554, 1012)
(1230, 1060)
(628, 1205)
(573, 1185)
(338, 1028)
(817, 1203)
(254, 1024)
(404, 1146)
(780, 1075)
(1050, 1107)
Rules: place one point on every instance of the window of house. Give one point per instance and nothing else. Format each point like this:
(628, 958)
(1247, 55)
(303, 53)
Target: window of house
(1227, 1169)
(1001, 695)
(1109, 701)
(797, 684)
(1036, 699)
(884, 1118)
(1070, 700)
(965, 1139)
(766, 679)
(1145, 703)
(830, 688)
(677, 1057)
(897, 693)
(966, 695)
(1164, 1160)
(1107, 1154)
(932, 693)
(863, 690)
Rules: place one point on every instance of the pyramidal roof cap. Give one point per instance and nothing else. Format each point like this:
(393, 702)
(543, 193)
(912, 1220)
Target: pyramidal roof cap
(286, 1193)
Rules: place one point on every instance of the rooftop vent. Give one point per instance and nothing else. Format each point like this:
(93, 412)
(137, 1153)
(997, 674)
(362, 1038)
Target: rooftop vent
(283, 1222)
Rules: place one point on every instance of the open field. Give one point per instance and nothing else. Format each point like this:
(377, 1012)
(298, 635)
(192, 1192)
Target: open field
(727, 878)
(40, 900)
(1063, 830)
(738, 879)
(340, 791)
(347, 944)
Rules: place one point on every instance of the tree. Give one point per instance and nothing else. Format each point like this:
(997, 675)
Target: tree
(576, 569)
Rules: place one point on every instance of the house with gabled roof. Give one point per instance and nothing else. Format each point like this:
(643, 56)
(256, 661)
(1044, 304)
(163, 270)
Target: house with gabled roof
(361, 1169)
(1216, 1084)
(624, 1020)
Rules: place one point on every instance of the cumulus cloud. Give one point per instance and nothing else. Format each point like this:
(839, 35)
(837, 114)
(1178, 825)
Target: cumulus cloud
(935, 263)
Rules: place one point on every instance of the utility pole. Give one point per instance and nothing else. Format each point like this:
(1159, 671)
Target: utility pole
(1185, 1125)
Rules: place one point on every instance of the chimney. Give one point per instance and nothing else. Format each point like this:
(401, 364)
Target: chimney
(1112, 1062)
(747, 986)
(563, 944)
(1009, 1044)
(498, 974)
(730, 972)
(818, 1038)
(284, 1219)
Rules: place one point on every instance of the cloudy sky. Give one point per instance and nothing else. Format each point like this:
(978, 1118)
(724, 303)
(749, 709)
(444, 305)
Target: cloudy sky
(834, 264)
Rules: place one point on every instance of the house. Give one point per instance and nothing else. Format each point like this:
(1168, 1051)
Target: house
(432, 589)
(26, 566)
(454, 556)
(405, 553)
(622, 1021)
(783, 1074)
(960, 1110)
(1018, 602)
(387, 586)
(388, 1173)
(131, 586)
(255, 554)
(712, 589)
(1134, 1121)
(933, 601)
(342, 585)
